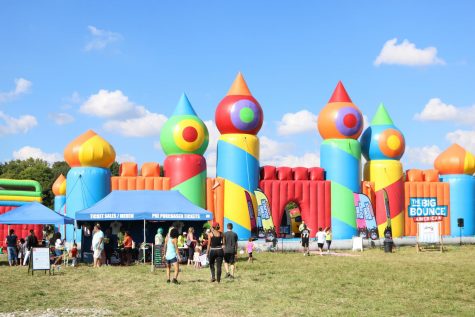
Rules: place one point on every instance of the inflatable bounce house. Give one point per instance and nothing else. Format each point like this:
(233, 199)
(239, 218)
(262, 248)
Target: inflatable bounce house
(15, 193)
(276, 199)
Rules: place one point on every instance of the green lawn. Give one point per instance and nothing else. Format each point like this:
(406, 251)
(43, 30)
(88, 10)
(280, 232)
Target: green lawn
(372, 284)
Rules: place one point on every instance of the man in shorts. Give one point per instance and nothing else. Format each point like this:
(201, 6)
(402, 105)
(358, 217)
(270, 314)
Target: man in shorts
(97, 245)
(321, 237)
(305, 235)
(230, 250)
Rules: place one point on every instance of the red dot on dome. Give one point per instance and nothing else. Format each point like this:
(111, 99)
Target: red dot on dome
(350, 120)
(190, 134)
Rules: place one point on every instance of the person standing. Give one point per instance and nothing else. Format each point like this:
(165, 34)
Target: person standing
(128, 243)
(11, 241)
(97, 245)
(190, 243)
(31, 242)
(159, 237)
(172, 255)
(108, 246)
(305, 237)
(215, 252)
(230, 250)
(328, 238)
(302, 226)
(321, 236)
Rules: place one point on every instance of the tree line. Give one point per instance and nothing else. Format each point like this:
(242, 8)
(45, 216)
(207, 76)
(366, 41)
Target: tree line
(42, 172)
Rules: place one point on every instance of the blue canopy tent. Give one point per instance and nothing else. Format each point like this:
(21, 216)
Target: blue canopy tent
(34, 213)
(124, 205)
(143, 205)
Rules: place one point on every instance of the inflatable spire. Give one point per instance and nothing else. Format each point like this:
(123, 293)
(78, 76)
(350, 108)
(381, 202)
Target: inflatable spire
(89, 179)
(456, 166)
(340, 123)
(184, 139)
(239, 118)
(383, 146)
(59, 191)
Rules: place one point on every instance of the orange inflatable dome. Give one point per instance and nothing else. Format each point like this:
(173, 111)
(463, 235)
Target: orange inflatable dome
(89, 149)
(455, 160)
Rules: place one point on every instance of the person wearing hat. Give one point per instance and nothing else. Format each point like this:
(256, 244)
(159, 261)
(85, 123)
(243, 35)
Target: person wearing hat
(215, 252)
(159, 237)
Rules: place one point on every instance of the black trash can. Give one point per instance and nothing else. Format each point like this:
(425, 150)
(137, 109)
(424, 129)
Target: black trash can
(388, 246)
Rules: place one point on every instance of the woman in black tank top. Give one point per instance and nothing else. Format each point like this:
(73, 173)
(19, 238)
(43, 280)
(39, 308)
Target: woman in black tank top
(215, 252)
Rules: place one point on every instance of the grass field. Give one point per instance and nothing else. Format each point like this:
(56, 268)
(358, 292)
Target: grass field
(372, 284)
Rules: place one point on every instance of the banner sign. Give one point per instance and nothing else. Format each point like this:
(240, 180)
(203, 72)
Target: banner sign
(426, 209)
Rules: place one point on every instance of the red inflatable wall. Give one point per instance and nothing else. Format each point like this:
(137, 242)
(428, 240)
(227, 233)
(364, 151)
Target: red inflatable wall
(22, 231)
(312, 196)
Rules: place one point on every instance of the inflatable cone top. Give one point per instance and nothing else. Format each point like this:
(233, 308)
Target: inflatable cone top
(59, 186)
(455, 160)
(239, 111)
(340, 118)
(382, 140)
(184, 132)
(89, 149)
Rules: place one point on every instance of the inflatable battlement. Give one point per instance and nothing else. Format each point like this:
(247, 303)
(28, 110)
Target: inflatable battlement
(288, 173)
(416, 175)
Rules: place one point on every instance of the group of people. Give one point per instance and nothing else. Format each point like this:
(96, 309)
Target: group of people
(321, 237)
(19, 250)
(103, 245)
(219, 247)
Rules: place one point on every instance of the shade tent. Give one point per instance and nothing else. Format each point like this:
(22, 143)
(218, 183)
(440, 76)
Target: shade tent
(130, 205)
(34, 213)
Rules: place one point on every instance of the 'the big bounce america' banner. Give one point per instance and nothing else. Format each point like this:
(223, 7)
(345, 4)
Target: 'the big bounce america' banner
(426, 209)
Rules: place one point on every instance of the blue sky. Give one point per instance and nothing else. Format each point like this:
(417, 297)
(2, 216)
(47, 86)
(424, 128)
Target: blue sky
(119, 68)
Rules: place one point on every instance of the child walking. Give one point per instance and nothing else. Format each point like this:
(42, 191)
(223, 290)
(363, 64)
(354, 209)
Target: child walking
(249, 247)
(196, 258)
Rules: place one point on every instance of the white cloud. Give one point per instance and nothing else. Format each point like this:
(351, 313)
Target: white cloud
(125, 158)
(211, 163)
(422, 157)
(306, 160)
(149, 124)
(100, 39)
(213, 135)
(28, 151)
(22, 86)
(13, 125)
(437, 110)
(126, 117)
(407, 54)
(108, 104)
(298, 122)
(466, 139)
(61, 118)
(270, 148)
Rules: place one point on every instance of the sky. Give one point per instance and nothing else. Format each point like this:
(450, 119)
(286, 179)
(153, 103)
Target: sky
(119, 68)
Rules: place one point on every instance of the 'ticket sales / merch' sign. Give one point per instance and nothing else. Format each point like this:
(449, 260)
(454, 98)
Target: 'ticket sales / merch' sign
(426, 209)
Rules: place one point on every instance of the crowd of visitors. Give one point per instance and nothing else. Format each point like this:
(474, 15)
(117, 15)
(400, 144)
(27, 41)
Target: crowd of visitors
(19, 249)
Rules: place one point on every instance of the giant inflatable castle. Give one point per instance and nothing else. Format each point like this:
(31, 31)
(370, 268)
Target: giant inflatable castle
(339, 194)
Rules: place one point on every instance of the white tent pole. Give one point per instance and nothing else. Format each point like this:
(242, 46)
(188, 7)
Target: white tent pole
(144, 241)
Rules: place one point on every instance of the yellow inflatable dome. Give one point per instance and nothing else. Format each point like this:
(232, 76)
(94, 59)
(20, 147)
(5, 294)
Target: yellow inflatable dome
(89, 149)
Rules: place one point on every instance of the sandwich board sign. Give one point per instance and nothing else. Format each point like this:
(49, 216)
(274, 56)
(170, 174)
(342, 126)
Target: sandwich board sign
(39, 260)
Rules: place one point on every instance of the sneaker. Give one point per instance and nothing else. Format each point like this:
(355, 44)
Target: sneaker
(168, 281)
(228, 275)
(175, 281)
(213, 280)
